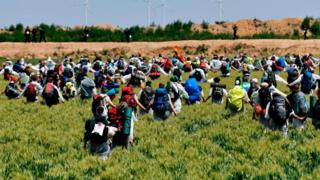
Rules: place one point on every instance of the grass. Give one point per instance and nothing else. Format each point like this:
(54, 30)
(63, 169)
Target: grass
(200, 143)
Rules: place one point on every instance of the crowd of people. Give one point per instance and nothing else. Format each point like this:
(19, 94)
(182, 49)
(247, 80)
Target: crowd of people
(112, 125)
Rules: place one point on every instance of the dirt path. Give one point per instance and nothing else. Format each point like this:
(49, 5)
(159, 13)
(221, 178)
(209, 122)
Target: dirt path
(15, 50)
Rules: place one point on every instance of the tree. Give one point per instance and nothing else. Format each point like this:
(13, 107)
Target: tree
(315, 28)
(19, 27)
(305, 23)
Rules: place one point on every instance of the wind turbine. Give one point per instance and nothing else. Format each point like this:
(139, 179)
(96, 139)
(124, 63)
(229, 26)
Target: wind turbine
(149, 3)
(86, 5)
(220, 3)
(163, 6)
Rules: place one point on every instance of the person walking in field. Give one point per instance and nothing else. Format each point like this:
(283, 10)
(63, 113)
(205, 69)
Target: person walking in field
(237, 96)
(33, 90)
(162, 105)
(235, 30)
(27, 35)
(217, 91)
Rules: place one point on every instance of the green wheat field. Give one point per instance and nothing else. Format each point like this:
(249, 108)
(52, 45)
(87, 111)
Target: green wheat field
(37, 142)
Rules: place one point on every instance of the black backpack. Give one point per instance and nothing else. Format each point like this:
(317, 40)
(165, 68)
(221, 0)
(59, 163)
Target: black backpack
(271, 77)
(11, 91)
(197, 75)
(293, 75)
(217, 92)
(120, 64)
(265, 97)
(147, 96)
(278, 110)
(316, 110)
(177, 72)
(95, 137)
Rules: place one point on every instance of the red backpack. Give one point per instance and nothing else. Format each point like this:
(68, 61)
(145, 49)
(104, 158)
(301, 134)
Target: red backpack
(115, 118)
(128, 96)
(31, 91)
(203, 65)
(49, 91)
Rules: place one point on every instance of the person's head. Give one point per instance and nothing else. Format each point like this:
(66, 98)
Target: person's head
(295, 88)
(216, 80)
(161, 85)
(149, 83)
(238, 81)
(49, 80)
(174, 79)
(34, 77)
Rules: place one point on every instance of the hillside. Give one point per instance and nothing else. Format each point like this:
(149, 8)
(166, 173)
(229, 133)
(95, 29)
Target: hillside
(192, 48)
(200, 143)
(247, 27)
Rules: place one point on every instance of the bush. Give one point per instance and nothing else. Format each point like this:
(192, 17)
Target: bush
(305, 23)
(315, 29)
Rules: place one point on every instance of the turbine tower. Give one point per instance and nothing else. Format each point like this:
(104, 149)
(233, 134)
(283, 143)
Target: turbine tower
(164, 6)
(220, 2)
(86, 5)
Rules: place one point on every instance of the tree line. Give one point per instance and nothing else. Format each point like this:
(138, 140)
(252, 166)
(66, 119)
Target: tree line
(177, 30)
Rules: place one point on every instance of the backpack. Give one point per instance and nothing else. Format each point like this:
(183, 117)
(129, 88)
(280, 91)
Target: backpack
(264, 96)
(197, 75)
(6, 73)
(30, 91)
(203, 65)
(161, 100)
(128, 96)
(307, 82)
(278, 110)
(154, 74)
(146, 96)
(98, 105)
(49, 91)
(281, 62)
(96, 137)
(193, 90)
(187, 67)
(316, 110)
(96, 66)
(121, 64)
(235, 99)
(293, 74)
(225, 69)
(177, 72)
(67, 72)
(115, 118)
(217, 92)
(300, 105)
(11, 91)
(271, 78)
(69, 89)
(236, 64)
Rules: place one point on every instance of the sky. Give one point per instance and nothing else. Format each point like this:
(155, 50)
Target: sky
(126, 13)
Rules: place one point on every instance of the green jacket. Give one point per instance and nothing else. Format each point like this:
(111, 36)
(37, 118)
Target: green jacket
(127, 120)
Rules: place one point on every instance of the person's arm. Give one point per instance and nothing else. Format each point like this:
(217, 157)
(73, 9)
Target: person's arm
(184, 93)
(280, 79)
(246, 98)
(209, 95)
(296, 81)
(138, 103)
(94, 91)
(162, 71)
(39, 88)
(110, 102)
(279, 92)
(59, 94)
(315, 76)
(266, 116)
(125, 78)
(171, 106)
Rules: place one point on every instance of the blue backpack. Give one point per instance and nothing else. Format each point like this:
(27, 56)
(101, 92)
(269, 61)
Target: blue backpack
(193, 90)
(161, 100)
(307, 82)
(281, 62)
(300, 107)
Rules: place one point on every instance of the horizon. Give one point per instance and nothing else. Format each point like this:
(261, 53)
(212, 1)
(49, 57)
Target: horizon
(35, 12)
